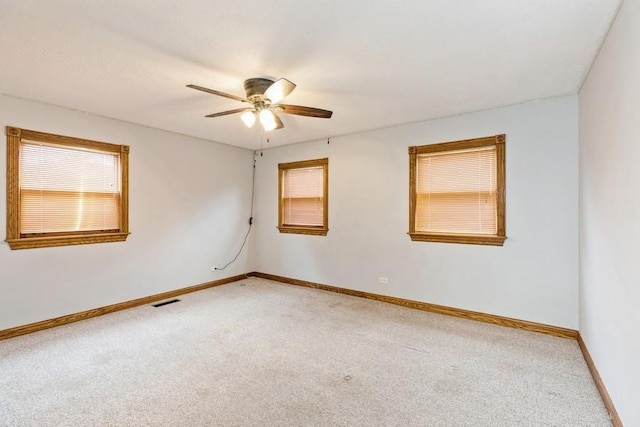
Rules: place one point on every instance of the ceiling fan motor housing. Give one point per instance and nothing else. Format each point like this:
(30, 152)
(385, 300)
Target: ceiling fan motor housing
(256, 87)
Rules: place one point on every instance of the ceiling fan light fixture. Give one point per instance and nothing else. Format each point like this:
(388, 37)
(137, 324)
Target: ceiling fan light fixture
(267, 120)
(264, 96)
(248, 118)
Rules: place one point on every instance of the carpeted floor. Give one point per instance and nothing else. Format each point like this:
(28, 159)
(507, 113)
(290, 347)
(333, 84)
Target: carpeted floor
(260, 353)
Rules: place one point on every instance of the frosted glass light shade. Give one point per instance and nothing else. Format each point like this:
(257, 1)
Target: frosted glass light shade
(248, 118)
(267, 120)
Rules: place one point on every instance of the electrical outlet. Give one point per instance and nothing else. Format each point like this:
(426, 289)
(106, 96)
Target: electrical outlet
(214, 268)
(383, 280)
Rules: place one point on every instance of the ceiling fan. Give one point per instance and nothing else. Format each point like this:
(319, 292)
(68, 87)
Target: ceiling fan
(264, 96)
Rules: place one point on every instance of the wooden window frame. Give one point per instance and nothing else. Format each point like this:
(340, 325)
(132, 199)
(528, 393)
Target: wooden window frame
(14, 238)
(475, 239)
(297, 229)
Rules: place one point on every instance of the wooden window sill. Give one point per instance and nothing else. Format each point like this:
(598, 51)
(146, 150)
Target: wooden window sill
(470, 239)
(50, 241)
(304, 230)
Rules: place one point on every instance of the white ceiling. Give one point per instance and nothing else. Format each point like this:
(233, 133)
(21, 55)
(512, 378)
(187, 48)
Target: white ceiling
(375, 63)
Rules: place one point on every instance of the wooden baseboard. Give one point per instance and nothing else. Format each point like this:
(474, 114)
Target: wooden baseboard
(433, 308)
(450, 311)
(63, 320)
(608, 403)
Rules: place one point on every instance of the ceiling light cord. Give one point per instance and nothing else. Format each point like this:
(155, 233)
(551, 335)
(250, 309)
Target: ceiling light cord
(246, 236)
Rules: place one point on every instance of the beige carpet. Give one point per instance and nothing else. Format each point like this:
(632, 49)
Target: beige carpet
(259, 353)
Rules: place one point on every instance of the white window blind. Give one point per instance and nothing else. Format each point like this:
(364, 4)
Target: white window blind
(456, 191)
(302, 196)
(68, 190)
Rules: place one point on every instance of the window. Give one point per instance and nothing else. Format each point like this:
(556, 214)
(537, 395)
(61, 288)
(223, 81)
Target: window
(303, 197)
(457, 192)
(64, 191)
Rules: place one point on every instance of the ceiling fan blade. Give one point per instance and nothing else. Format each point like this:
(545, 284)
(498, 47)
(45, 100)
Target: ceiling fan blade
(226, 113)
(215, 92)
(279, 124)
(299, 110)
(278, 90)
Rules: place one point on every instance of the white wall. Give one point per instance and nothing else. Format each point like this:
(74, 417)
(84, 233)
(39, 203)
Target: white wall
(189, 207)
(533, 277)
(610, 212)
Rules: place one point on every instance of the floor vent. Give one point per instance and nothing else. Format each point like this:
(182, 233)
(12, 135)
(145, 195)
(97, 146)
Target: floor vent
(171, 301)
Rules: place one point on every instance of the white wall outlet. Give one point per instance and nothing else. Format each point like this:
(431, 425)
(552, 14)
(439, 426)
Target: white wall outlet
(383, 280)
(214, 268)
